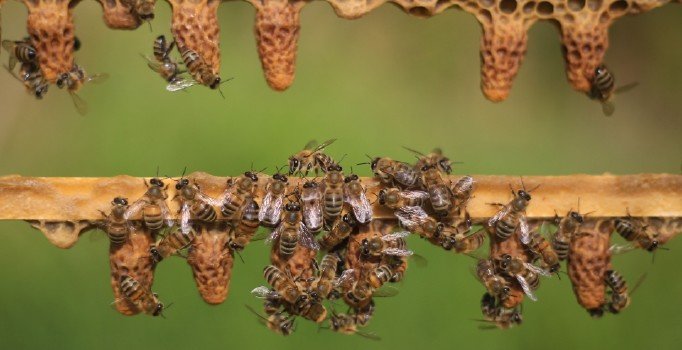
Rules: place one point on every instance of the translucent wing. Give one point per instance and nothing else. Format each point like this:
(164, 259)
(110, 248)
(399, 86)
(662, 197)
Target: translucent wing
(275, 233)
(370, 336)
(499, 215)
(152, 63)
(621, 248)
(165, 212)
(361, 207)
(134, 208)
(385, 292)
(538, 270)
(526, 288)
(97, 78)
(215, 202)
(415, 194)
(271, 209)
(226, 197)
(324, 144)
(310, 145)
(184, 218)
(419, 260)
(261, 292)
(306, 239)
(81, 105)
(395, 235)
(608, 108)
(524, 230)
(411, 216)
(180, 84)
(346, 277)
(397, 252)
(464, 184)
(312, 209)
(625, 88)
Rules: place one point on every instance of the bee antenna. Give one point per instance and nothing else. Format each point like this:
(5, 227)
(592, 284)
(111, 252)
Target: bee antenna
(342, 158)
(183, 172)
(369, 157)
(578, 205)
(239, 255)
(157, 171)
(150, 26)
(522, 184)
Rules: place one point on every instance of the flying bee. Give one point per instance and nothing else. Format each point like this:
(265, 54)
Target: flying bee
(567, 228)
(273, 202)
(435, 159)
(393, 172)
(140, 296)
(439, 194)
(395, 199)
(415, 219)
(233, 201)
(116, 226)
(347, 324)
(541, 247)
(165, 66)
(74, 80)
(526, 274)
(247, 225)
(153, 206)
(340, 231)
(462, 192)
(496, 285)
(603, 88)
(194, 204)
(311, 198)
(356, 197)
(278, 322)
(619, 292)
(323, 286)
(20, 51)
(634, 230)
(511, 217)
(175, 241)
(285, 286)
(292, 232)
(391, 244)
(333, 194)
(311, 158)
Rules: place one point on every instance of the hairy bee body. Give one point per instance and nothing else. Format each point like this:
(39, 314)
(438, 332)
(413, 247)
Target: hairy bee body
(244, 189)
(439, 194)
(152, 204)
(567, 228)
(340, 231)
(283, 285)
(603, 83)
(511, 217)
(248, 222)
(392, 172)
(34, 81)
(117, 226)
(141, 296)
(379, 276)
(173, 242)
(275, 191)
(541, 247)
(323, 286)
(333, 195)
(496, 285)
(20, 51)
(462, 191)
(466, 244)
(311, 158)
(633, 230)
(311, 198)
(199, 69)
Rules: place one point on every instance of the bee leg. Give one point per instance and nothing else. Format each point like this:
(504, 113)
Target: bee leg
(496, 204)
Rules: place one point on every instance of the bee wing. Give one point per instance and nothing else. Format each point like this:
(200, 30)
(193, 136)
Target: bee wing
(370, 336)
(323, 145)
(538, 270)
(184, 218)
(306, 238)
(415, 194)
(395, 235)
(411, 216)
(625, 88)
(81, 105)
(464, 184)
(361, 207)
(134, 208)
(524, 230)
(261, 292)
(165, 212)
(419, 260)
(97, 78)
(310, 145)
(608, 108)
(265, 207)
(180, 84)
(385, 292)
(312, 210)
(397, 252)
(275, 233)
(152, 64)
(215, 202)
(504, 211)
(621, 248)
(526, 288)
(347, 276)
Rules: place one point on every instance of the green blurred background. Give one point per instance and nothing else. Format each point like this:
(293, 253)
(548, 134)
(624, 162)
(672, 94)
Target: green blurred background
(376, 83)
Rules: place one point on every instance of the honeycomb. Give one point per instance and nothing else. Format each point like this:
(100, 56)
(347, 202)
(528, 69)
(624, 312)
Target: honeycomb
(211, 262)
(583, 25)
(132, 259)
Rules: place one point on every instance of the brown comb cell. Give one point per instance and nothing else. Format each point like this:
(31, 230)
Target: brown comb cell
(211, 261)
(50, 27)
(299, 264)
(588, 260)
(514, 248)
(119, 15)
(195, 27)
(277, 29)
(132, 259)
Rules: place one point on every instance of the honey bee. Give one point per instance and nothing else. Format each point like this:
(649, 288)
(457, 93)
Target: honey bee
(232, 202)
(153, 206)
(380, 275)
(356, 197)
(116, 226)
(462, 191)
(323, 286)
(278, 322)
(142, 297)
(364, 315)
(392, 172)
(497, 315)
(272, 299)
(194, 204)
(175, 241)
(33, 79)
(20, 51)
(395, 199)
(285, 286)
(247, 225)
(313, 311)
(496, 285)
(439, 194)
(311, 198)
(526, 274)
(340, 231)
(200, 70)
(619, 292)
(635, 231)
(541, 247)
(73, 80)
(273, 202)
(434, 159)
(357, 291)
(462, 243)
(311, 158)
(166, 67)
(603, 88)
(567, 228)
(346, 324)
(415, 219)
(292, 231)
(391, 244)
(143, 9)
(512, 217)
(333, 194)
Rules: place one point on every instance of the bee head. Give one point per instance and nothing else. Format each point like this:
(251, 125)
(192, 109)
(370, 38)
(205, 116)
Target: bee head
(600, 70)
(293, 206)
(653, 245)
(349, 219)
(215, 83)
(445, 165)
(525, 195)
(156, 182)
(382, 196)
(310, 184)
(294, 164)
(374, 163)
(251, 176)
(350, 178)
(62, 80)
(516, 318)
(181, 184)
(40, 91)
(146, 16)
(577, 217)
(158, 309)
(335, 167)
(119, 201)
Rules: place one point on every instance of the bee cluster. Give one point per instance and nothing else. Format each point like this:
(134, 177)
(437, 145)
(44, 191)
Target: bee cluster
(326, 244)
(584, 28)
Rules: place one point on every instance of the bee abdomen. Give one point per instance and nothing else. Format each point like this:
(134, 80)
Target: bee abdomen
(626, 229)
(118, 233)
(288, 246)
(561, 248)
(504, 228)
(616, 282)
(204, 212)
(131, 288)
(152, 217)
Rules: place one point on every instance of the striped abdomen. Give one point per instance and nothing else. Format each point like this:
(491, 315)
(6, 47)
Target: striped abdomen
(507, 224)
(249, 220)
(160, 48)
(471, 242)
(287, 242)
(176, 240)
(333, 204)
(560, 246)
(440, 198)
(117, 232)
(323, 161)
(131, 289)
(603, 82)
(203, 211)
(616, 282)
(380, 275)
(337, 234)
(232, 206)
(405, 175)
(532, 278)
(152, 217)
(626, 229)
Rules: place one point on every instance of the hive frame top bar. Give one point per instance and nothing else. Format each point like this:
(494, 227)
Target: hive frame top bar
(81, 199)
